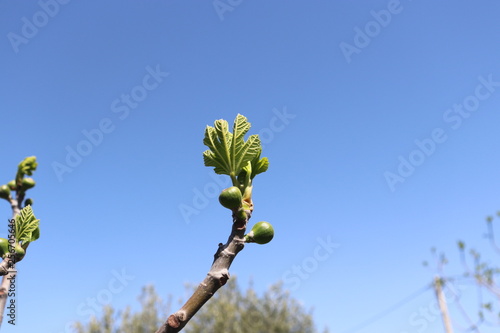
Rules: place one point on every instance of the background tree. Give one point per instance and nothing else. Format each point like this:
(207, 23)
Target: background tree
(483, 273)
(233, 311)
(147, 320)
(229, 311)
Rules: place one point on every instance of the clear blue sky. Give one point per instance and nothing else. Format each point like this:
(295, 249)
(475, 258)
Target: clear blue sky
(344, 93)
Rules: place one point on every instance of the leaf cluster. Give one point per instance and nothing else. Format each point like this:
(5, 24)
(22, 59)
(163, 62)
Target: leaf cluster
(230, 154)
(26, 167)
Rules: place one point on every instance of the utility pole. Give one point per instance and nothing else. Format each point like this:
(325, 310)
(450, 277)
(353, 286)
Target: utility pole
(438, 284)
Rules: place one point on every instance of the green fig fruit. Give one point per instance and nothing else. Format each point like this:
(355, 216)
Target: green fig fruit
(27, 184)
(231, 198)
(28, 202)
(4, 247)
(20, 252)
(261, 233)
(12, 185)
(5, 192)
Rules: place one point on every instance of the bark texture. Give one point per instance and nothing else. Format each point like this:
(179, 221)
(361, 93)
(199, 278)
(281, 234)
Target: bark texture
(7, 267)
(216, 278)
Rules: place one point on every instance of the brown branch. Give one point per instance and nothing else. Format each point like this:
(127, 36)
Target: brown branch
(216, 278)
(7, 266)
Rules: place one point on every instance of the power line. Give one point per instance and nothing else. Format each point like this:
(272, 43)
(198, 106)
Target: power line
(387, 311)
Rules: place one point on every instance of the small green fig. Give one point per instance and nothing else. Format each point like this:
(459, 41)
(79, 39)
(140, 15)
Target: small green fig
(12, 185)
(4, 247)
(261, 233)
(231, 197)
(27, 183)
(5, 192)
(20, 252)
(28, 202)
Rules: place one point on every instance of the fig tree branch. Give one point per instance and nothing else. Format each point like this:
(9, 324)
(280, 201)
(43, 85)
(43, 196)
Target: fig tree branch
(230, 154)
(7, 267)
(23, 228)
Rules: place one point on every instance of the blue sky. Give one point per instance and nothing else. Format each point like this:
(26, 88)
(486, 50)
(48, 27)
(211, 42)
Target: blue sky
(379, 119)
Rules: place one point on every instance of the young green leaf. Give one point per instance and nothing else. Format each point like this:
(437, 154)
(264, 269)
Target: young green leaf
(27, 227)
(218, 139)
(259, 165)
(229, 152)
(254, 167)
(26, 167)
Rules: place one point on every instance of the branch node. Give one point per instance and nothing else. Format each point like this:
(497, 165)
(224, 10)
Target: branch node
(227, 253)
(173, 321)
(223, 279)
(240, 224)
